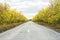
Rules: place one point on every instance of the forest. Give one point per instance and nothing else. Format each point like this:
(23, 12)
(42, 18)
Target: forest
(49, 16)
(10, 18)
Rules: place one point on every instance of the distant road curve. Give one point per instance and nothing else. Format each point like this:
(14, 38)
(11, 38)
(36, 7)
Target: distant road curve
(30, 31)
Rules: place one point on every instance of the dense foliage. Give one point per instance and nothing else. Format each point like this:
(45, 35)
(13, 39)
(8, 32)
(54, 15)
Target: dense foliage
(8, 15)
(10, 18)
(49, 14)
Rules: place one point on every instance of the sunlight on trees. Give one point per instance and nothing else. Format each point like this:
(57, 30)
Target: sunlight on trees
(8, 15)
(49, 14)
(10, 18)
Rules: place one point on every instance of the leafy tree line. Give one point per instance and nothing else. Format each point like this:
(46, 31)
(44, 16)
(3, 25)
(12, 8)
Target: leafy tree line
(49, 14)
(10, 18)
(8, 15)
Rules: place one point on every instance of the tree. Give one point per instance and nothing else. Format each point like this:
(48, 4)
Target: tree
(8, 15)
(49, 14)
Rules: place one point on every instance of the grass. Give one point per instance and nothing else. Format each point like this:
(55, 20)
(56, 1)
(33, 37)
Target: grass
(4, 27)
(55, 27)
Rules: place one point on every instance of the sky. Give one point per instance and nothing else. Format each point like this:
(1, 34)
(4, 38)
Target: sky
(29, 8)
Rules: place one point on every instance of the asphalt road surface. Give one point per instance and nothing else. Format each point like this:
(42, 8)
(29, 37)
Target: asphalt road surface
(30, 31)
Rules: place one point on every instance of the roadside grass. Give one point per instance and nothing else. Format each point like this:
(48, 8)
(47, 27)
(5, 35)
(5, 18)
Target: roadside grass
(55, 27)
(5, 27)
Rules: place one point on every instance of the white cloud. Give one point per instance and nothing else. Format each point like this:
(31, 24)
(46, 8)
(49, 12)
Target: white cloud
(2, 1)
(13, 1)
(27, 6)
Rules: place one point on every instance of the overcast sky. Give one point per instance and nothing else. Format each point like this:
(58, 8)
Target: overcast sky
(28, 7)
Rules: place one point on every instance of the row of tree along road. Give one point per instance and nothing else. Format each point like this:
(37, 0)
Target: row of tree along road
(49, 16)
(10, 18)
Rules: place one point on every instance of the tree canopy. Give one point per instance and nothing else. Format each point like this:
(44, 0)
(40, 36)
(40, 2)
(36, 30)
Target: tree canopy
(8, 15)
(49, 14)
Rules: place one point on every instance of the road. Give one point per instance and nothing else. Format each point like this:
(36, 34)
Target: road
(30, 31)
